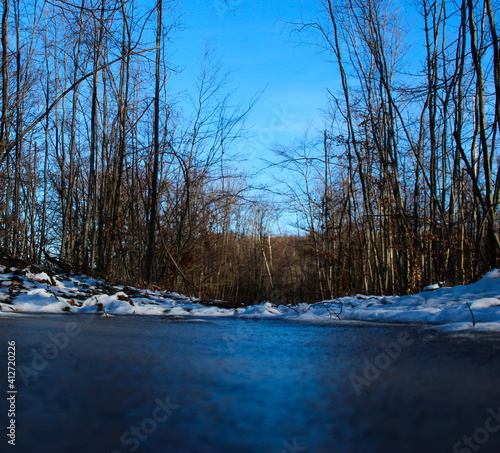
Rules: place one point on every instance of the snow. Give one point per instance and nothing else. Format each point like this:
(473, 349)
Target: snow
(486, 302)
(433, 286)
(464, 307)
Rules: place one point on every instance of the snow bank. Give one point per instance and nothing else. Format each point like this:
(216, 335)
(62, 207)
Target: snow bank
(456, 308)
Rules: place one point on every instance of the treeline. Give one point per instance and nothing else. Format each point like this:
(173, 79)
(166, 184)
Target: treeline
(103, 169)
(99, 167)
(403, 187)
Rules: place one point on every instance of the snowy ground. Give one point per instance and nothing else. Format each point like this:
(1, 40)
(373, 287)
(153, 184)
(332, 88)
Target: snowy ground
(475, 306)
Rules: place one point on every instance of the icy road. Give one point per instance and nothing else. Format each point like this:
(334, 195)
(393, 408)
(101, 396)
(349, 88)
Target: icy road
(85, 383)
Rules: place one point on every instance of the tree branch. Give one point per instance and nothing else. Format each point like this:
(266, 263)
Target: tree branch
(51, 107)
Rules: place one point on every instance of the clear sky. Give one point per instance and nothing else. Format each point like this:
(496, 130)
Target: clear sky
(252, 44)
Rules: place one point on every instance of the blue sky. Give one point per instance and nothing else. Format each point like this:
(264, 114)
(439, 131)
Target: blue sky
(252, 45)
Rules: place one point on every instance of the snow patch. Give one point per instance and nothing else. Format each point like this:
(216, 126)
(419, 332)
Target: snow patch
(486, 302)
(463, 307)
(495, 273)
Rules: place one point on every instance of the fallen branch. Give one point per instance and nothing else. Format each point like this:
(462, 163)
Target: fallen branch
(471, 314)
(329, 308)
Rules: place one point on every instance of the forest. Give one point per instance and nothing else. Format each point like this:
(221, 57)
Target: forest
(104, 171)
